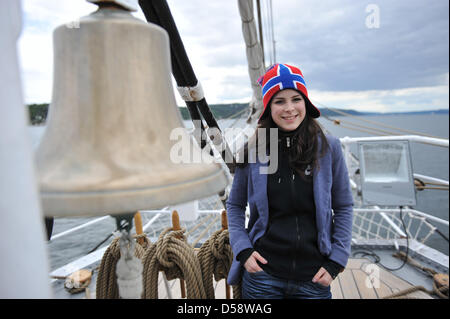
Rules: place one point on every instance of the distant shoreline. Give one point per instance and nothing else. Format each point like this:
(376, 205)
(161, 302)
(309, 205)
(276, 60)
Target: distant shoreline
(38, 112)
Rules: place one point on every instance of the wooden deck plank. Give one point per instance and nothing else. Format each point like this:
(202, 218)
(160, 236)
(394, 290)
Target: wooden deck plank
(369, 268)
(348, 285)
(355, 263)
(388, 278)
(395, 283)
(383, 290)
(365, 287)
(336, 291)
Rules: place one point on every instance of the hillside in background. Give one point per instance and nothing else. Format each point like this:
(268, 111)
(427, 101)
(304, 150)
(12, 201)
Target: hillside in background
(38, 112)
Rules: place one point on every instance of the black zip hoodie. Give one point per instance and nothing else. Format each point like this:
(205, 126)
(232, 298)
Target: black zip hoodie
(290, 241)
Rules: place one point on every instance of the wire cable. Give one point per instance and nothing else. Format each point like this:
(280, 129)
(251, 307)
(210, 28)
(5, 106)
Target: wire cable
(377, 259)
(405, 260)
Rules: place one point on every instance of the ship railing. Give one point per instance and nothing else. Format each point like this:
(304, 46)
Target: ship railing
(386, 223)
(412, 138)
(206, 223)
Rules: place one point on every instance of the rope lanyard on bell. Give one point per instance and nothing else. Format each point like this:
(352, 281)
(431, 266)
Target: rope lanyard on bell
(120, 271)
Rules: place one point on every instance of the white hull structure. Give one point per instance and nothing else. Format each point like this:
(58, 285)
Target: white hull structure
(24, 265)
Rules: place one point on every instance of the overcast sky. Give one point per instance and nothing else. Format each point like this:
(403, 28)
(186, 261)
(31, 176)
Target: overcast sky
(384, 56)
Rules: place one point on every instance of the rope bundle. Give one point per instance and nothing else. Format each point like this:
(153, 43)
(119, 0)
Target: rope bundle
(177, 259)
(404, 293)
(107, 279)
(173, 255)
(215, 258)
(440, 281)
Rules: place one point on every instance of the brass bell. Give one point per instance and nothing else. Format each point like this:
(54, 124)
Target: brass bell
(107, 146)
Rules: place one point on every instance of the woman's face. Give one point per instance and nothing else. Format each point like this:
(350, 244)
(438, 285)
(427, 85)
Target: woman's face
(288, 109)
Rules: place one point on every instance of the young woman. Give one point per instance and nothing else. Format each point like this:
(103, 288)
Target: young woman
(299, 232)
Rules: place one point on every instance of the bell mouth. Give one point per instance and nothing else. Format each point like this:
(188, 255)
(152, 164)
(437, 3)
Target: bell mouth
(151, 195)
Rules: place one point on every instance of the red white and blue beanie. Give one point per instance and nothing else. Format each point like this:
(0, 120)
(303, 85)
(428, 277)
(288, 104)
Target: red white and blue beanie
(280, 77)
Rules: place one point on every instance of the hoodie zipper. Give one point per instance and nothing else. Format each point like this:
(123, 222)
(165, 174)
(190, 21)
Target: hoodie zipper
(297, 225)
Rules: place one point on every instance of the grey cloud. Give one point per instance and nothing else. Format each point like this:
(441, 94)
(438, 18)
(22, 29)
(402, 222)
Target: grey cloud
(409, 49)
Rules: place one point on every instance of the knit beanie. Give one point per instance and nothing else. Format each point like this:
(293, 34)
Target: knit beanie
(280, 77)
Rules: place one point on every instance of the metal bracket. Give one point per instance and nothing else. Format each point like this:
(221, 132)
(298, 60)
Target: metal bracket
(124, 221)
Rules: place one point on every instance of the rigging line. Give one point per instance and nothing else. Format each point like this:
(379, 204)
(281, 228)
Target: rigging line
(237, 118)
(235, 121)
(365, 131)
(270, 31)
(438, 188)
(205, 219)
(355, 129)
(261, 40)
(205, 230)
(346, 114)
(236, 114)
(377, 123)
(266, 33)
(99, 244)
(438, 184)
(273, 36)
(367, 127)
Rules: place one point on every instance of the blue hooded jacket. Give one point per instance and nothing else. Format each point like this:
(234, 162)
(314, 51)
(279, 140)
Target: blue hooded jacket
(332, 194)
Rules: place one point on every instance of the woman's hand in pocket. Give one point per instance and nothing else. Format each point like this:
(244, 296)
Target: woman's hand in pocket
(323, 277)
(251, 265)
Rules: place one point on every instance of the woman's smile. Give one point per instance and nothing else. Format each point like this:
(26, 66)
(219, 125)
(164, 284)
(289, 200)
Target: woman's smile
(289, 118)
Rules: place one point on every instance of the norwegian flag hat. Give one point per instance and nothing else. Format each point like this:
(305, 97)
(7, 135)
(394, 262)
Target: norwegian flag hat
(280, 77)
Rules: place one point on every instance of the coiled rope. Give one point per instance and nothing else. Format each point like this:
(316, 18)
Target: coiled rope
(215, 257)
(107, 279)
(173, 255)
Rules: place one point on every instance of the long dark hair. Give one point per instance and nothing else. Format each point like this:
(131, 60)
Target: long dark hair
(305, 139)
